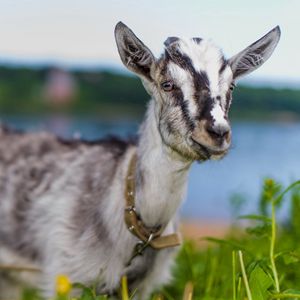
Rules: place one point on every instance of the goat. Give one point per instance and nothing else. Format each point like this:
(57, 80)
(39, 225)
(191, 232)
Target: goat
(83, 209)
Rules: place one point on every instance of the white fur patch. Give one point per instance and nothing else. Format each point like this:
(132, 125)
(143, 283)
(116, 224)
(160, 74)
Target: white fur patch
(218, 116)
(224, 84)
(205, 57)
(184, 80)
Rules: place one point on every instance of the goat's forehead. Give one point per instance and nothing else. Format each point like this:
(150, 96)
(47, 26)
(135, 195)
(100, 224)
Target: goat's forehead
(204, 54)
(201, 56)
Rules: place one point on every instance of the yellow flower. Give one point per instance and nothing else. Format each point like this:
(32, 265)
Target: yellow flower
(63, 284)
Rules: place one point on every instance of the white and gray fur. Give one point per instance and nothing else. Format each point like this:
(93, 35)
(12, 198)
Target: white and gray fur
(62, 202)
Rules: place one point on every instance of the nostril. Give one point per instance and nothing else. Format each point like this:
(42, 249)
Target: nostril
(218, 132)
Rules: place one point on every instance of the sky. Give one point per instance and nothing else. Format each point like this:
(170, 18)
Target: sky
(81, 32)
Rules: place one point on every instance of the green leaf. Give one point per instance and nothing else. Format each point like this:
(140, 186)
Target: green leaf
(290, 258)
(259, 283)
(87, 294)
(280, 197)
(78, 285)
(260, 231)
(291, 291)
(257, 218)
(30, 294)
(287, 294)
(230, 243)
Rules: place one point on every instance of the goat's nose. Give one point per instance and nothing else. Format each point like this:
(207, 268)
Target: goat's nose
(218, 131)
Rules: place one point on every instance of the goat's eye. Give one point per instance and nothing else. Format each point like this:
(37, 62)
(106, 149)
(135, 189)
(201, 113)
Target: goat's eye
(232, 86)
(167, 86)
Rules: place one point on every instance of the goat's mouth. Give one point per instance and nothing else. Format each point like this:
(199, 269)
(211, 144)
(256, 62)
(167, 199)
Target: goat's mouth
(206, 152)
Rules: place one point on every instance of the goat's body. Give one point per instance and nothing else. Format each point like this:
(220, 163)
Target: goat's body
(62, 204)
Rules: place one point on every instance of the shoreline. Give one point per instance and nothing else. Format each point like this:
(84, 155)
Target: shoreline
(197, 230)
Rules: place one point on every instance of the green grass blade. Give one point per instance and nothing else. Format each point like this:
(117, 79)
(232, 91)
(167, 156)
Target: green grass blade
(244, 275)
(280, 197)
(234, 275)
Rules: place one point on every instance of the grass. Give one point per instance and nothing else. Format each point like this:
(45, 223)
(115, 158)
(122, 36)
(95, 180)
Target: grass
(256, 261)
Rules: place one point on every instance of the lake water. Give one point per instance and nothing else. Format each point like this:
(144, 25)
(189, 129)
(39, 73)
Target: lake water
(259, 150)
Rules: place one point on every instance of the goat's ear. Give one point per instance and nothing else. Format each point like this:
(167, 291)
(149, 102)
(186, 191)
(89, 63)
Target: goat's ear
(255, 55)
(134, 54)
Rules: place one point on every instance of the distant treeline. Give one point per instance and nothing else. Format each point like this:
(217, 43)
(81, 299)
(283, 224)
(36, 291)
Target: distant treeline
(110, 95)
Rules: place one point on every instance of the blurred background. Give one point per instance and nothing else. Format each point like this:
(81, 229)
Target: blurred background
(60, 71)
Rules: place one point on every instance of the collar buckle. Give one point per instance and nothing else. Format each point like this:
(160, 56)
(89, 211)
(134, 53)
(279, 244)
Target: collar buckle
(130, 208)
(140, 247)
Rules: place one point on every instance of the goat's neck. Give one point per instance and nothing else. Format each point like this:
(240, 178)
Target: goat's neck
(161, 175)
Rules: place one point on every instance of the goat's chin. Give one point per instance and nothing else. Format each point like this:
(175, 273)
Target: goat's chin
(185, 153)
(204, 152)
(199, 154)
(189, 154)
(218, 157)
(202, 155)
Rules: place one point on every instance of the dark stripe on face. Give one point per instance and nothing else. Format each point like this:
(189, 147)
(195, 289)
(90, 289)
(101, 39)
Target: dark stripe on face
(229, 93)
(183, 61)
(178, 97)
(180, 101)
(223, 65)
(164, 62)
(200, 79)
(197, 40)
(201, 82)
(201, 85)
(228, 100)
(170, 40)
(206, 109)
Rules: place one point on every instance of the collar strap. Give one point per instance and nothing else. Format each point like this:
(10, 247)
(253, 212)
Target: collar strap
(150, 236)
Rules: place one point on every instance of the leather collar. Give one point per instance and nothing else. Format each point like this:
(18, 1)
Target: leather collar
(147, 236)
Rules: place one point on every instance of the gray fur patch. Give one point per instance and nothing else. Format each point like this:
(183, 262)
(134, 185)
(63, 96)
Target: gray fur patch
(29, 170)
